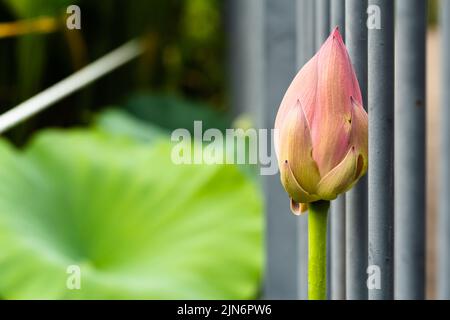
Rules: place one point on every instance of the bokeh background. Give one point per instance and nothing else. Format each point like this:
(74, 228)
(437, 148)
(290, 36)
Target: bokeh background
(89, 181)
(186, 56)
(88, 188)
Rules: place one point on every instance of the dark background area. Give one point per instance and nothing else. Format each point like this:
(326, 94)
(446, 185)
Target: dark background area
(185, 56)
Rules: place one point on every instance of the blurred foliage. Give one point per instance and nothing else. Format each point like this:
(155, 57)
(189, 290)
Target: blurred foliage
(118, 122)
(30, 70)
(185, 56)
(136, 224)
(34, 8)
(171, 112)
(108, 198)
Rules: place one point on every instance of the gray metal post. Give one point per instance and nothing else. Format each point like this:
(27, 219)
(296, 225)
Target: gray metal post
(381, 148)
(444, 176)
(356, 198)
(282, 228)
(322, 21)
(246, 27)
(305, 50)
(338, 248)
(337, 216)
(410, 102)
(306, 41)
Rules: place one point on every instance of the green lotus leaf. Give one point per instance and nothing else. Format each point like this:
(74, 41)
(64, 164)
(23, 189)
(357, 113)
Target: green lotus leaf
(117, 122)
(136, 225)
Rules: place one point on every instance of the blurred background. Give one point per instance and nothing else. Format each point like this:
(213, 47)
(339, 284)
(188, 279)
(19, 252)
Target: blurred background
(87, 186)
(186, 55)
(99, 192)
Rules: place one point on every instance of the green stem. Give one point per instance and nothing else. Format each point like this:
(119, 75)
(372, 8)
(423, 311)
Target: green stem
(317, 250)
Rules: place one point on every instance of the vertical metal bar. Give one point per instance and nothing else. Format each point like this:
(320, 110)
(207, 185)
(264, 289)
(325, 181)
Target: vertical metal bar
(337, 16)
(356, 198)
(338, 248)
(245, 20)
(410, 102)
(381, 147)
(305, 50)
(282, 274)
(306, 46)
(444, 190)
(337, 217)
(234, 24)
(322, 21)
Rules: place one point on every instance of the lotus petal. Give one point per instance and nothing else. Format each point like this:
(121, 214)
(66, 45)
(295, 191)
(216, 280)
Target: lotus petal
(340, 178)
(292, 187)
(296, 147)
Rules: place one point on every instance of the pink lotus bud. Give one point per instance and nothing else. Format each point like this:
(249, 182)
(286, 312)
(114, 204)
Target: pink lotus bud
(321, 136)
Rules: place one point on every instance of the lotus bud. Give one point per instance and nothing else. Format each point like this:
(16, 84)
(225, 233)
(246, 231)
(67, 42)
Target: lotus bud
(321, 128)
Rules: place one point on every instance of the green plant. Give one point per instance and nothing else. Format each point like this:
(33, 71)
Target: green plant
(136, 224)
(172, 112)
(34, 8)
